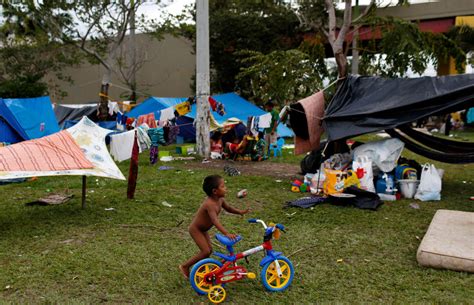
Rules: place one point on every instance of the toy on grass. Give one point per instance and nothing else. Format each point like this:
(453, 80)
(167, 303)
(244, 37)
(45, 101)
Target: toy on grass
(209, 275)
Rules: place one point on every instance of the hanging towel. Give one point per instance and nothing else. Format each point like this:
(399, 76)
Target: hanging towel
(265, 120)
(309, 122)
(167, 114)
(149, 119)
(121, 145)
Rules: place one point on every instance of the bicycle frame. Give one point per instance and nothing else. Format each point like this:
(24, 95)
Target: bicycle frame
(230, 271)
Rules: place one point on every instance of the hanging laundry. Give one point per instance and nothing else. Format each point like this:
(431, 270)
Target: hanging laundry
(265, 120)
(170, 134)
(153, 154)
(121, 145)
(212, 103)
(284, 114)
(149, 119)
(255, 125)
(144, 140)
(310, 121)
(183, 108)
(113, 107)
(167, 114)
(156, 136)
(133, 171)
(119, 125)
(220, 109)
(213, 124)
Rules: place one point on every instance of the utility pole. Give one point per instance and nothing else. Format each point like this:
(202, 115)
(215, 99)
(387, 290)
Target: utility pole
(133, 53)
(202, 78)
(355, 50)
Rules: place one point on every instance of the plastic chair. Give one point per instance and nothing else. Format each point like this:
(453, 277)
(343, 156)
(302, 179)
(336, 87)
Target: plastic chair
(277, 147)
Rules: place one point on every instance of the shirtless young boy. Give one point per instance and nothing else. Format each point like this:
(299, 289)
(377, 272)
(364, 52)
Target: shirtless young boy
(208, 216)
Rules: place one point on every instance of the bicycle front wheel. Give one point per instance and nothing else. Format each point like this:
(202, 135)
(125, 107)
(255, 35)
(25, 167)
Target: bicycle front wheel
(270, 278)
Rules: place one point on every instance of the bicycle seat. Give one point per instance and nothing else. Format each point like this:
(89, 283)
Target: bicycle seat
(226, 240)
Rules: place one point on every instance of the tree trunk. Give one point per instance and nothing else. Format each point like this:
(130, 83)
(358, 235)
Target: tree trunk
(355, 55)
(202, 120)
(104, 97)
(341, 61)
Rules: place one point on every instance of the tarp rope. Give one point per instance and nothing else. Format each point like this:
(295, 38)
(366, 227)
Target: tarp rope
(454, 158)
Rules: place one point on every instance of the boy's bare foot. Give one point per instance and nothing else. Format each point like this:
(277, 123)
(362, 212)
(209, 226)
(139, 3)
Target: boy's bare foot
(184, 271)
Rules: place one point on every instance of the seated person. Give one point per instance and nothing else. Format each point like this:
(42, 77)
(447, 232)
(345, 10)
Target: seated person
(258, 153)
(239, 148)
(216, 145)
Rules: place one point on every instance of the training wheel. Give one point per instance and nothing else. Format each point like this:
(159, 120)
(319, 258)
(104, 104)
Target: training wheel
(216, 294)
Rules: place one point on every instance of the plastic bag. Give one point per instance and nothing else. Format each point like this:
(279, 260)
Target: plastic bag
(384, 153)
(334, 182)
(351, 180)
(362, 166)
(430, 184)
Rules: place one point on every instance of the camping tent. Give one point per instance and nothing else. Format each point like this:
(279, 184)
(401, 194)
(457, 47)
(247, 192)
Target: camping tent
(26, 119)
(235, 107)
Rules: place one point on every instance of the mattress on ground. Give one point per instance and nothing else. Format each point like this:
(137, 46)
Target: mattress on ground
(449, 242)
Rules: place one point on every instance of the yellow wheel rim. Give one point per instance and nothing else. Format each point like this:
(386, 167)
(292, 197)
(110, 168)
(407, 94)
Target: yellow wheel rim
(199, 276)
(271, 275)
(216, 294)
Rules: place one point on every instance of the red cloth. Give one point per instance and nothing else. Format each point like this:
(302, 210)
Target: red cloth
(56, 152)
(213, 103)
(133, 171)
(314, 110)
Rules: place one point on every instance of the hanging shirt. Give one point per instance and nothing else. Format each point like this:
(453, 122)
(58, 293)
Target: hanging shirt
(121, 145)
(265, 120)
(167, 114)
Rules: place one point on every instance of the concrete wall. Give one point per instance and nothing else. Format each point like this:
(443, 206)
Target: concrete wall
(430, 10)
(167, 72)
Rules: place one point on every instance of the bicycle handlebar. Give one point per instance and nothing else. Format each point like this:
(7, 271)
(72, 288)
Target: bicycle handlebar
(255, 220)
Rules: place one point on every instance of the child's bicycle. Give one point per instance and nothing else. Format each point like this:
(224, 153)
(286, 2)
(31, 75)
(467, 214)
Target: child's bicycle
(209, 275)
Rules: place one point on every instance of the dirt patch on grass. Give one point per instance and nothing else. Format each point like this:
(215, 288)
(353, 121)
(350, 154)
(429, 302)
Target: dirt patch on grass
(264, 168)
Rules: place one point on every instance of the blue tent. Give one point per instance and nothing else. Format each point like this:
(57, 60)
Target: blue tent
(26, 119)
(235, 106)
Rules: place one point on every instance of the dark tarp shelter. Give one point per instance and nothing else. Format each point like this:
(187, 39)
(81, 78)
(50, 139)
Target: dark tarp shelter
(64, 113)
(364, 104)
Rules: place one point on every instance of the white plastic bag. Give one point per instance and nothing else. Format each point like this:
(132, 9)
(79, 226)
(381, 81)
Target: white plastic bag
(362, 166)
(384, 153)
(430, 184)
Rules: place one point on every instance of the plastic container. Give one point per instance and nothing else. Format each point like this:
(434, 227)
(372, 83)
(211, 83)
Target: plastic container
(385, 184)
(408, 187)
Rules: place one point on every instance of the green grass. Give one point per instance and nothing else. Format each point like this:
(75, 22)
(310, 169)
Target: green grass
(65, 254)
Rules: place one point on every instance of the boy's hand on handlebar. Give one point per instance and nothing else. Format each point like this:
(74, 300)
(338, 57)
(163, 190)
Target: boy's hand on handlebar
(231, 236)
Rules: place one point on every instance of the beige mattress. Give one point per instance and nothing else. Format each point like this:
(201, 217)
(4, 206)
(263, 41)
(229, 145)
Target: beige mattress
(449, 242)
